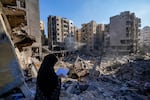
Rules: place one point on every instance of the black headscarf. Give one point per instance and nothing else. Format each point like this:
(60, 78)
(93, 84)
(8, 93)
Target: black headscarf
(47, 80)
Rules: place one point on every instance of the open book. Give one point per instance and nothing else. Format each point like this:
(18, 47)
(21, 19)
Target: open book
(62, 71)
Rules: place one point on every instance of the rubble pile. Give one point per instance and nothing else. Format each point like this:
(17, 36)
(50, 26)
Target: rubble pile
(119, 79)
(79, 71)
(96, 78)
(113, 79)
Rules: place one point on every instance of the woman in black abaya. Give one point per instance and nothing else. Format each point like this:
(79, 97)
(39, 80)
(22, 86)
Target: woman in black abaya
(48, 84)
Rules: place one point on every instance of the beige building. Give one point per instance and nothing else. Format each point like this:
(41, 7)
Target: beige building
(144, 40)
(106, 36)
(124, 30)
(58, 29)
(92, 34)
(99, 37)
(42, 28)
(145, 36)
(43, 36)
(78, 34)
(71, 27)
(88, 31)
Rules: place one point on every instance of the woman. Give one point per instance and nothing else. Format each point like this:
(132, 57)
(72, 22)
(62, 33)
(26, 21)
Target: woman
(48, 83)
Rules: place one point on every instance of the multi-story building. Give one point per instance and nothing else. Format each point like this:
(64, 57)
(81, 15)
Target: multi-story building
(88, 31)
(92, 34)
(42, 28)
(54, 30)
(58, 29)
(78, 34)
(144, 40)
(20, 18)
(43, 36)
(106, 36)
(65, 28)
(145, 36)
(124, 30)
(99, 37)
(71, 27)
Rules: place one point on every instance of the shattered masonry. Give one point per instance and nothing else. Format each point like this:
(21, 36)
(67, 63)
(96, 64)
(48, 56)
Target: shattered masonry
(90, 78)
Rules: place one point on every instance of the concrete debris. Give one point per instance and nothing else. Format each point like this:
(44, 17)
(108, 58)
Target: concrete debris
(21, 38)
(79, 68)
(123, 79)
(109, 77)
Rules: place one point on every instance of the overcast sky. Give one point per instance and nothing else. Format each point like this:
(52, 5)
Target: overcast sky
(83, 11)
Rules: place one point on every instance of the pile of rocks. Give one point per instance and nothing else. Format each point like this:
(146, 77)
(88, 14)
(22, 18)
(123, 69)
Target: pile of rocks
(122, 79)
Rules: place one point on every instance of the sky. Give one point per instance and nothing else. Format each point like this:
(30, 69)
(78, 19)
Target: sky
(83, 11)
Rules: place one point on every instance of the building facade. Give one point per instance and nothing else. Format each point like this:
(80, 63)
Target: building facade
(58, 29)
(144, 40)
(92, 34)
(145, 35)
(42, 28)
(99, 37)
(88, 32)
(124, 30)
(43, 36)
(78, 34)
(21, 21)
(33, 23)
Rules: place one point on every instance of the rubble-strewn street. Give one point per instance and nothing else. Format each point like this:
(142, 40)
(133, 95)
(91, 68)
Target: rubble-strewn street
(105, 61)
(99, 78)
(122, 79)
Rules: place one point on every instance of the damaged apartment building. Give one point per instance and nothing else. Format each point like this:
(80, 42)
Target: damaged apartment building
(120, 36)
(89, 38)
(92, 34)
(58, 29)
(124, 31)
(19, 14)
(144, 40)
(89, 77)
(20, 38)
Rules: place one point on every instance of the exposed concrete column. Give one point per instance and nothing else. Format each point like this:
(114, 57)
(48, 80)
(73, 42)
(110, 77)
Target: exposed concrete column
(33, 22)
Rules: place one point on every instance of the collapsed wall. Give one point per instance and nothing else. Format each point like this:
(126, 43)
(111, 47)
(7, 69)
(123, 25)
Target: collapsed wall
(13, 38)
(118, 79)
(10, 73)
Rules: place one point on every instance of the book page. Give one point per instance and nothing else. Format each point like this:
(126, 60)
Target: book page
(62, 71)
